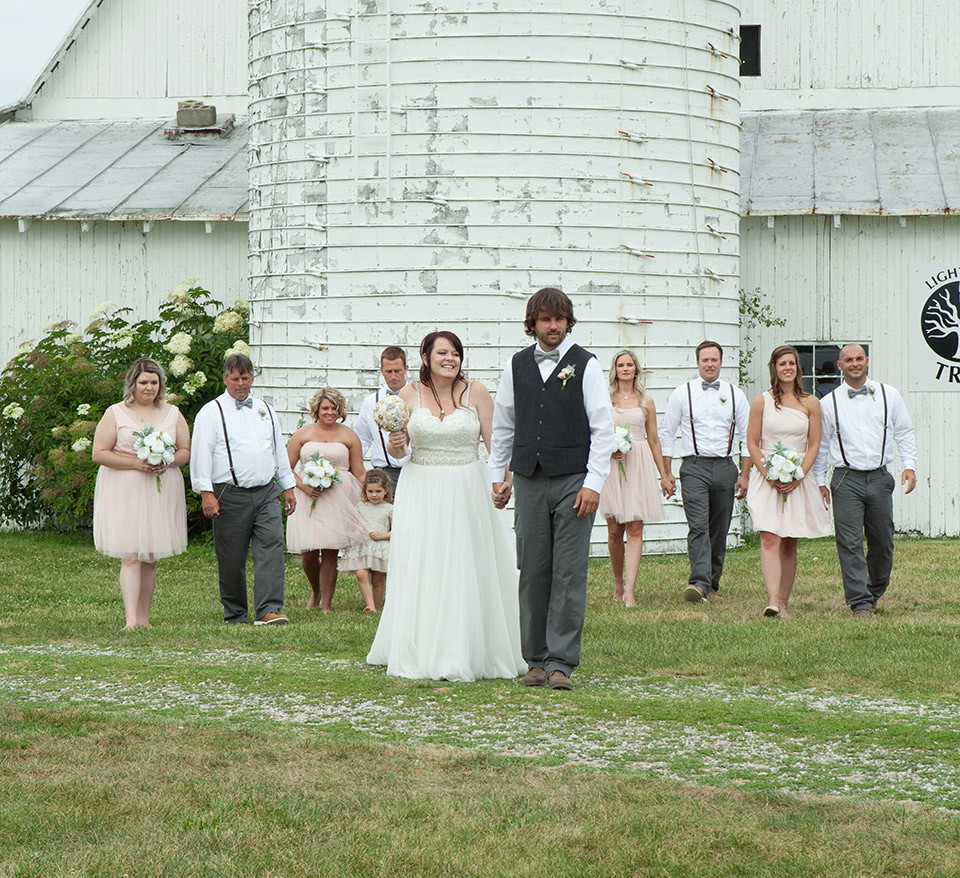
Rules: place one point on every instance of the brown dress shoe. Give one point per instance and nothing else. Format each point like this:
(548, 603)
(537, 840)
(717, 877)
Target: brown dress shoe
(559, 680)
(535, 677)
(694, 594)
(272, 619)
(863, 612)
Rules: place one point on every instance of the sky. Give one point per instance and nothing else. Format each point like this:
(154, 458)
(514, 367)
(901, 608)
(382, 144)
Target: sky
(32, 31)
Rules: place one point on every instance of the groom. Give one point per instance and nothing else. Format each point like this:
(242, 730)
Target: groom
(553, 426)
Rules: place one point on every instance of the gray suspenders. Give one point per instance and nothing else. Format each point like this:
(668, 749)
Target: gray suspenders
(733, 420)
(836, 419)
(226, 439)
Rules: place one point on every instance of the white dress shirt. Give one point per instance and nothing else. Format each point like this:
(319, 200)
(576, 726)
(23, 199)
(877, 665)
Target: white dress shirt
(861, 429)
(712, 415)
(256, 445)
(596, 403)
(373, 439)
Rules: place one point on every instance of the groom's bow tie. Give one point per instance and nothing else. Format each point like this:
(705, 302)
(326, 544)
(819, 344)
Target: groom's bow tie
(244, 403)
(539, 356)
(711, 385)
(863, 391)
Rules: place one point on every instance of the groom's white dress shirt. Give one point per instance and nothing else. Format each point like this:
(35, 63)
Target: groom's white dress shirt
(373, 439)
(861, 429)
(256, 446)
(712, 414)
(596, 403)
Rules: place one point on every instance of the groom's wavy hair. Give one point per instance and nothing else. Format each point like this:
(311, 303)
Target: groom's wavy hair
(552, 302)
(426, 346)
(776, 391)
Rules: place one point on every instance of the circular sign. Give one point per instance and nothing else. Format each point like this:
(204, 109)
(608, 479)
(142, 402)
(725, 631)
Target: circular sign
(940, 321)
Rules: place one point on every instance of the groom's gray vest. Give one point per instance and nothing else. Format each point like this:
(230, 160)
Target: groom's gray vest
(551, 429)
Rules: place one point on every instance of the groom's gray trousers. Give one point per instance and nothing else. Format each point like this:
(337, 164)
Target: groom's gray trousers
(553, 548)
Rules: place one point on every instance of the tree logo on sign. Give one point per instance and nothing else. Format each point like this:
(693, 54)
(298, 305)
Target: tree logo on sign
(940, 321)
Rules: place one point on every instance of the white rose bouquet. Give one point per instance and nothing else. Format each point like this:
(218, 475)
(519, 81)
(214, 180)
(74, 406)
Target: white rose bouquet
(391, 414)
(622, 441)
(155, 447)
(783, 464)
(319, 472)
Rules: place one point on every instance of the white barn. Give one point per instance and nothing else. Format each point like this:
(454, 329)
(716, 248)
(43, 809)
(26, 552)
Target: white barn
(846, 174)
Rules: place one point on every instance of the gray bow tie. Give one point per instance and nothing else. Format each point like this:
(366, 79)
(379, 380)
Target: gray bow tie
(392, 392)
(244, 404)
(863, 391)
(711, 385)
(539, 356)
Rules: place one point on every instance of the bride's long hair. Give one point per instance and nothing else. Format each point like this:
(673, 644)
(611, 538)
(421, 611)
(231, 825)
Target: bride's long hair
(426, 348)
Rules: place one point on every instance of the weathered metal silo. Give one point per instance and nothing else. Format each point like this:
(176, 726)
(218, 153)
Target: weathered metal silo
(423, 165)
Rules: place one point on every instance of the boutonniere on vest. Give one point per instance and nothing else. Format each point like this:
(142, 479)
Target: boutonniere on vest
(565, 375)
(263, 414)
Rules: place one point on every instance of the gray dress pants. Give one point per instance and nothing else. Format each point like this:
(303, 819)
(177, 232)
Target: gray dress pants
(249, 519)
(708, 485)
(863, 504)
(553, 548)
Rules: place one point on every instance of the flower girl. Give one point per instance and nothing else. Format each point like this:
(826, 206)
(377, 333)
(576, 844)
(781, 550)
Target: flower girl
(369, 556)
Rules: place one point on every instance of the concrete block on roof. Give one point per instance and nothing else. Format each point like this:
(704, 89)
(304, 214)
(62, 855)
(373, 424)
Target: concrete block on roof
(196, 114)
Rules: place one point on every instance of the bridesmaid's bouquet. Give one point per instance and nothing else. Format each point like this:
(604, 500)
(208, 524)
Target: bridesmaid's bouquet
(391, 414)
(784, 464)
(155, 447)
(622, 441)
(319, 472)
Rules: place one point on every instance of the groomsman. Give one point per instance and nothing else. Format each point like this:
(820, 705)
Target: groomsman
(374, 440)
(239, 467)
(708, 413)
(553, 428)
(861, 421)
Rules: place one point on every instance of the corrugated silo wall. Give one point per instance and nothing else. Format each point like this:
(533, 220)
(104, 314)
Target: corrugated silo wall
(418, 166)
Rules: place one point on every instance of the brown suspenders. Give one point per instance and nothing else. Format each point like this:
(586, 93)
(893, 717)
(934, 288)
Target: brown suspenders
(226, 439)
(836, 419)
(733, 420)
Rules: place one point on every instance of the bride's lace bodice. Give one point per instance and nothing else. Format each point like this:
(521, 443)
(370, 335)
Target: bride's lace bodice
(454, 441)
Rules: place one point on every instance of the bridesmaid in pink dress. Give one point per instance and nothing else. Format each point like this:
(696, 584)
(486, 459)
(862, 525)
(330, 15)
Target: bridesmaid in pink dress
(783, 512)
(325, 520)
(631, 497)
(133, 519)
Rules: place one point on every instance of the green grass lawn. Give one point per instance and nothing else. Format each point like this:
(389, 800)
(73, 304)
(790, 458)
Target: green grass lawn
(700, 740)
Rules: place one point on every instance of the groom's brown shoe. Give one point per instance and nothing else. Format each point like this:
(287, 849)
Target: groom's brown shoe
(559, 680)
(535, 677)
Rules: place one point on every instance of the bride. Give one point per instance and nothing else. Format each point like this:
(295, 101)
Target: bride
(451, 610)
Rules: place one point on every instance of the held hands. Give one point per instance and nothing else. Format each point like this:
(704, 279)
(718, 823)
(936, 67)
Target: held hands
(668, 485)
(500, 494)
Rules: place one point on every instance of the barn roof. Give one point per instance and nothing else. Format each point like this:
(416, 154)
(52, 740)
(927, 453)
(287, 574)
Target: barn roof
(899, 162)
(120, 171)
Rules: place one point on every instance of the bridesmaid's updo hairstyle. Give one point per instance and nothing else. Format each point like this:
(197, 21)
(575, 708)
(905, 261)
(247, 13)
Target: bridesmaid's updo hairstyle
(335, 396)
(378, 477)
(775, 390)
(638, 387)
(144, 364)
(552, 302)
(426, 348)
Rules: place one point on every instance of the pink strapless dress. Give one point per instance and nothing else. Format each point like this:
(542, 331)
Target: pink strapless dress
(635, 497)
(333, 522)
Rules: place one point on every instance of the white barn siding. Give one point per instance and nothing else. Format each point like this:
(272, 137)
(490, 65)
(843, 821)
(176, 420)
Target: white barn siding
(54, 271)
(136, 58)
(813, 51)
(849, 283)
(413, 169)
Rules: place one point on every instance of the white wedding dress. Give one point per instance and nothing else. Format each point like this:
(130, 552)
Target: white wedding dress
(451, 609)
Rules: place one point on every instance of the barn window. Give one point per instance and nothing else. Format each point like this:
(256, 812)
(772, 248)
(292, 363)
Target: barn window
(749, 49)
(819, 363)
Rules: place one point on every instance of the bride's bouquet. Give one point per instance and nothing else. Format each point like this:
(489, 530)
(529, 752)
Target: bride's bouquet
(319, 472)
(155, 447)
(784, 464)
(391, 414)
(622, 441)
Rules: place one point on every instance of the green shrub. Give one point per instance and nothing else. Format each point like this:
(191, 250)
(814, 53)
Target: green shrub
(53, 394)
